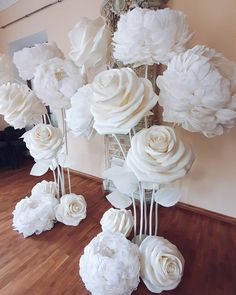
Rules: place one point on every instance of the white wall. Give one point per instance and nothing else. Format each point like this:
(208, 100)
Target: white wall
(212, 182)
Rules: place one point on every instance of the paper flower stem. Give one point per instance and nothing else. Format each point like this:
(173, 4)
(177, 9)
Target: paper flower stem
(141, 212)
(69, 180)
(150, 212)
(120, 146)
(135, 215)
(156, 219)
(145, 212)
(57, 185)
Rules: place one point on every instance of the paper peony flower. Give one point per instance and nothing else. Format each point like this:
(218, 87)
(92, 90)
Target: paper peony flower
(45, 187)
(71, 210)
(161, 264)
(56, 81)
(35, 214)
(90, 41)
(27, 59)
(145, 37)
(198, 91)
(157, 155)
(79, 117)
(6, 74)
(110, 265)
(43, 141)
(121, 221)
(20, 106)
(120, 100)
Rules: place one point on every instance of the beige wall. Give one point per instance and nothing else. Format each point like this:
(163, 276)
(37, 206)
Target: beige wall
(212, 182)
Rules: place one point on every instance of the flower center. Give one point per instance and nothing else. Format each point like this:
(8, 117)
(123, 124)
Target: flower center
(159, 143)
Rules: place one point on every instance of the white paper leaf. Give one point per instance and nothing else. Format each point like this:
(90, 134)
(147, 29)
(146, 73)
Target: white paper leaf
(124, 180)
(167, 196)
(119, 200)
(39, 168)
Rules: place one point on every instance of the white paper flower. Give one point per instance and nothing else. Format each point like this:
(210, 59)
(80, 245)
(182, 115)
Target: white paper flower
(35, 214)
(110, 265)
(79, 117)
(43, 141)
(161, 264)
(115, 220)
(157, 155)
(56, 81)
(146, 36)
(71, 210)
(27, 59)
(120, 100)
(90, 41)
(20, 106)
(6, 74)
(198, 91)
(45, 187)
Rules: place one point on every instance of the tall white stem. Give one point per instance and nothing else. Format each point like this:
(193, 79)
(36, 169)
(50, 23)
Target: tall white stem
(150, 212)
(120, 146)
(156, 218)
(141, 212)
(135, 216)
(145, 212)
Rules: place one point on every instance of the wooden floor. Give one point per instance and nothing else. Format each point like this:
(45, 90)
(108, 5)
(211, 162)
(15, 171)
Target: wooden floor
(48, 263)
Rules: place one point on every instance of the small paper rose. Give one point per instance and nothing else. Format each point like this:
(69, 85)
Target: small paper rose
(20, 106)
(110, 265)
(56, 81)
(145, 36)
(115, 220)
(162, 264)
(71, 210)
(120, 100)
(6, 73)
(198, 91)
(27, 59)
(35, 214)
(158, 156)
(45, 187)
(43, 141)
(79, 117)
(90, 41)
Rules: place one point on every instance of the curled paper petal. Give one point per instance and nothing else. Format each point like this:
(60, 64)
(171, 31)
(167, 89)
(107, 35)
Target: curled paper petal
(119, 200)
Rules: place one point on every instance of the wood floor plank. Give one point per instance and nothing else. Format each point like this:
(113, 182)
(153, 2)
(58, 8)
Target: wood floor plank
(48, 263)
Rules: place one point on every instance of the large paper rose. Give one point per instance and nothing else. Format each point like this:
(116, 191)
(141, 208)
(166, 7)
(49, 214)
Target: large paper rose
(43, 141)
(71, 210)
(45, 187)
(56, 81)
(79, 117)
(110, 265)
(27, 59)
(35, 214)
(120, 100)
(161, 264)
(157, 155)
(146, 36)
(6, 74)
(121, 221)
(90, 41)
(20, 106)
(198, 91)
